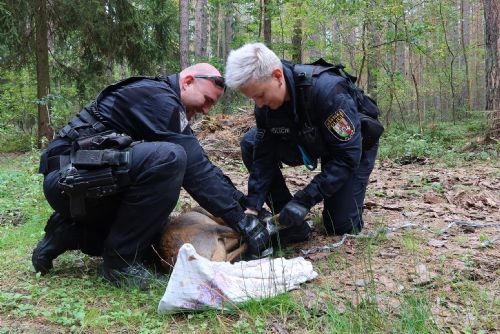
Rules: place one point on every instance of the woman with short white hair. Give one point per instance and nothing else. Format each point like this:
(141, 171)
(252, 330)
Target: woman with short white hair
(294, 132)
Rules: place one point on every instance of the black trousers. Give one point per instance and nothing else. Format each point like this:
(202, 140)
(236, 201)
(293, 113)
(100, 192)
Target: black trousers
(342, 213)
(122, 227)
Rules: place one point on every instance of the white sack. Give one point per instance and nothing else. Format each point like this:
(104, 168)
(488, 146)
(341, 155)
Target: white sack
(197, 282)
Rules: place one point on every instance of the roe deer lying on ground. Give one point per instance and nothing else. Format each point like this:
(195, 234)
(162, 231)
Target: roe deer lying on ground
(208, 235)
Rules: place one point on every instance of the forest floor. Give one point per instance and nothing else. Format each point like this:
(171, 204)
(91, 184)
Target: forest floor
(449, 220)
(444, 258)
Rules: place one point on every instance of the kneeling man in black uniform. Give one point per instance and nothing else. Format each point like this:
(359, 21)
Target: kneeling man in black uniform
(114, 173)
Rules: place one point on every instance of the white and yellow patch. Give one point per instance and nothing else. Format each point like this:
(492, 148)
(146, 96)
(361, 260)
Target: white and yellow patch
(340, 125)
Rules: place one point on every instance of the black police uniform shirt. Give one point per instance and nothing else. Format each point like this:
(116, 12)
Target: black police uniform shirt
(335, 116)
(151, 110)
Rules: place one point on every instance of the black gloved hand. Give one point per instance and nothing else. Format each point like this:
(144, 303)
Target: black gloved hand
(293, 213)
(255, 234)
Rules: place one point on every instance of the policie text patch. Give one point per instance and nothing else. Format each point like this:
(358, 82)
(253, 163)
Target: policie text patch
(340, 125)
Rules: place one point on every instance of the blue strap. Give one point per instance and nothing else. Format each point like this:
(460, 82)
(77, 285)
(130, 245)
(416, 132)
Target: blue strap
(308, 162)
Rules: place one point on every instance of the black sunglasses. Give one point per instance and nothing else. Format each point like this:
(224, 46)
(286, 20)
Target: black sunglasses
(216, 79)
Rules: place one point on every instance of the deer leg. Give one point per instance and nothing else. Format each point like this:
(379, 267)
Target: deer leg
(236, 254)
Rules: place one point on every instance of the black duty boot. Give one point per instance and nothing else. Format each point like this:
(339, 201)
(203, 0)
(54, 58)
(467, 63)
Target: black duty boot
(134, 276)
(293, 234)
(61, 234)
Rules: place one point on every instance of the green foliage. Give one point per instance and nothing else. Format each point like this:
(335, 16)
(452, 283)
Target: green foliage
(92, 43)
(440, 141)
(17, 99)
(13, 139)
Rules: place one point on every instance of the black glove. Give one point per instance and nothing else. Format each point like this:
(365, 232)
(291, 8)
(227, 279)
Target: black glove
(293, 213)
(255, 234)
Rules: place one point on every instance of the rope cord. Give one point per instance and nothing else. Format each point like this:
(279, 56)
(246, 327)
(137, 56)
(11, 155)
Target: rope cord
(392, 229)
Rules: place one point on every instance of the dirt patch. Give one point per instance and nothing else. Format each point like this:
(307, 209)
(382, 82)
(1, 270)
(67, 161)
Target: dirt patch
(12, 217)
(12, 324)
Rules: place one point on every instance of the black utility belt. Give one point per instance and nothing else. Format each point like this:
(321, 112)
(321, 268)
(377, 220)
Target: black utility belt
(87, 159)
(93, 150)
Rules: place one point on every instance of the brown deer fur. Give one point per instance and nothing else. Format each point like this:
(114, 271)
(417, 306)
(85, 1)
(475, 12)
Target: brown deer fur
(208, 235)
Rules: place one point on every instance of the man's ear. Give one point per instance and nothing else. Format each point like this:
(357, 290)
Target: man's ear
(186, 81)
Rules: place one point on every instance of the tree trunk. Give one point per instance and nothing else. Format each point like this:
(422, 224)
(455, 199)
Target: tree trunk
(201, 31)
(464, 32)
(297, 36)
(267, 22)
(261, 17)
(371, 64)
(220, 30)
(229, 28)
(42, 73)
(373, 55)
(492, 39)
(452, 61)
(363, 58)
(479, 38)
(184, 33)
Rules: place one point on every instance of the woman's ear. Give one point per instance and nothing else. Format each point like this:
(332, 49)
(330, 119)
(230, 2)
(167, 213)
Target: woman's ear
(278, 74)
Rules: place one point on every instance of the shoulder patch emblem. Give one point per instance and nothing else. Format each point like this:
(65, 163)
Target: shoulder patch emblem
(340, 125)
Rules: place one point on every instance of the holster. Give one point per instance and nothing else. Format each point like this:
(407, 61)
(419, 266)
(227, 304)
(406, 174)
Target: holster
(105, 140)
(79, 183)
(371, 130)
(98, 167)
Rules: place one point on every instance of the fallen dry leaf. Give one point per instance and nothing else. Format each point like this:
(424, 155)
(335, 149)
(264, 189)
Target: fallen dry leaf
(424, 276)
(277, 328)
(436, 243)
(433, 198)
(388, 283)
(361, 282)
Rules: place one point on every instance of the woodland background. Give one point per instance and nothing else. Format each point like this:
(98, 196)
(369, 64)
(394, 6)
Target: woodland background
(425, 62)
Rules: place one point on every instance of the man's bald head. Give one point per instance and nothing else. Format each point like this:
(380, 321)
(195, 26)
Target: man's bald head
(200, 68)
(201, 86)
